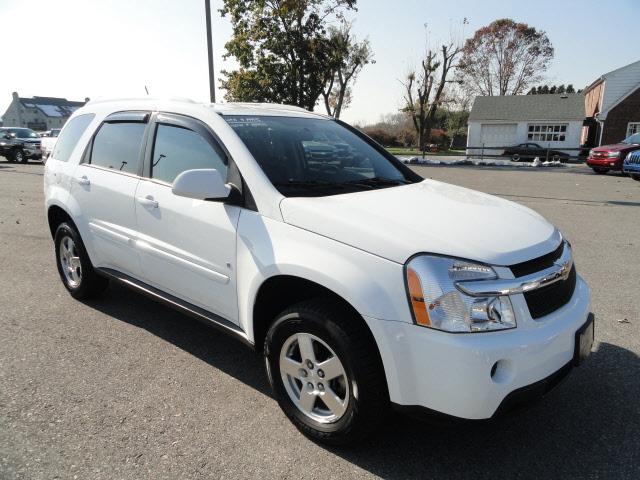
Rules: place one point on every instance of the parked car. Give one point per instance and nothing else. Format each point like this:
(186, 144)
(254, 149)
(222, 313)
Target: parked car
(19, 144)
(610, 157)
(529, 151)
(631, 165)
(48, 142)
(364, 285)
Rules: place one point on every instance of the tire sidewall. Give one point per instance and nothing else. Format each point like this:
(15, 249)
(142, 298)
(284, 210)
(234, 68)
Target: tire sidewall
(66, 230)
(306, 322)
(21, 159)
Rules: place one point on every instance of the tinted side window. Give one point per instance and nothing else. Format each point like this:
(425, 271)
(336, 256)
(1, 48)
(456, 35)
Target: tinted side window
(117, 146)
(70, 135)
(177, 149)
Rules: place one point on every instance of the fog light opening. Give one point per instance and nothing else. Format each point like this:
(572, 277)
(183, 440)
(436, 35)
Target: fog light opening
(502, 371)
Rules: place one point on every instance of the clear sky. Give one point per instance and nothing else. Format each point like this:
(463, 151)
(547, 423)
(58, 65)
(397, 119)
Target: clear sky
(103, 48)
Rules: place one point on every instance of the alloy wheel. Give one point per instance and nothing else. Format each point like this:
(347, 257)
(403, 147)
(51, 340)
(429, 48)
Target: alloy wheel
(70, 261)
(314, 378)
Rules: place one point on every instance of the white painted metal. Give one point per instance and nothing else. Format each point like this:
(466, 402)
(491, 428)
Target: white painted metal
(217, 256)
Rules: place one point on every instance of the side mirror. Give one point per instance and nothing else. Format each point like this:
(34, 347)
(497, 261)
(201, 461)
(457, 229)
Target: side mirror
(8, 136)
(201, 184)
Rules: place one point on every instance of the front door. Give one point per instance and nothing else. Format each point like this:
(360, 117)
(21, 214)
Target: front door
(187, 247)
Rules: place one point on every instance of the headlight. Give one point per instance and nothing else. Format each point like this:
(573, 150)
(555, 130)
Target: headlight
(437, 303)
(591, 153)
(2, 144)
(613, 154)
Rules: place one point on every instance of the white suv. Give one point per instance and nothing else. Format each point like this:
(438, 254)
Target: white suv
(366, 286)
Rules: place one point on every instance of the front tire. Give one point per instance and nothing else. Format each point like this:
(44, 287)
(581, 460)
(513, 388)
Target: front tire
(19, 156)
(636, 176)
(75, 269)
(515, 157)
(326, 372)
(600, 171)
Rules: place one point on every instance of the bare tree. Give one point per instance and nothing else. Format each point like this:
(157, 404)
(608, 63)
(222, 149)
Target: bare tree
(505, 58)
(353, 56)
(424, 89)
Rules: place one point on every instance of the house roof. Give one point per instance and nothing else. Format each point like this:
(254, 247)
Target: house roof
(603, 77)
(529, 107)
(52, 106)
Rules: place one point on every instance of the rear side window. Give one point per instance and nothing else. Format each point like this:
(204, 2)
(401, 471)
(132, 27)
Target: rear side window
(117, 146)
(70, 135)
(177, 149)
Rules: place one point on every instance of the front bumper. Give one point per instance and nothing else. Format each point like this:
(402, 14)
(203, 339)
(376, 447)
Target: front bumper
(613, 163)
(452, 373)
(32, 152)
(631, 168)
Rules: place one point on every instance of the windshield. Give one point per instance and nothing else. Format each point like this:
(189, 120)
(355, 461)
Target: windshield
(54, 132)
(635, 138)
(23, 132)
(316, 157)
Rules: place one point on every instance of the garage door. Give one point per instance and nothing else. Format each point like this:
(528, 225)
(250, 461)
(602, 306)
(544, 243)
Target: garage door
(498, 135)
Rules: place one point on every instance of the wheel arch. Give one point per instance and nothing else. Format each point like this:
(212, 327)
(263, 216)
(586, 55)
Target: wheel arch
(270, 301)
(57, 215)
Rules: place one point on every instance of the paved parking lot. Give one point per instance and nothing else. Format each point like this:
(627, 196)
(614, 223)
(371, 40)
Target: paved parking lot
(122, 388)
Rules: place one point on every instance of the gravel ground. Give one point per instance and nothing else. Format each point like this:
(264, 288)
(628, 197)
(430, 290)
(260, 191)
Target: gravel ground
(122, 388)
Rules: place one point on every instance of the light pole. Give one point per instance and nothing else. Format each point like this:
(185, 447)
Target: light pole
(212, 85)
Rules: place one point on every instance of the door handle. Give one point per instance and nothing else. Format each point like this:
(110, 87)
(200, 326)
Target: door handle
(83, 180)
(147, 201)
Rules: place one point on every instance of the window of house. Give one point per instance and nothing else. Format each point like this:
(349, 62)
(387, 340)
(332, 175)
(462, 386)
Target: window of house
(117, 146)
(177, 149)
(556, 132)
(632, 128)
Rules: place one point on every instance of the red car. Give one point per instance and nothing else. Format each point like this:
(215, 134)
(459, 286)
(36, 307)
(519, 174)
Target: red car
(610, 157)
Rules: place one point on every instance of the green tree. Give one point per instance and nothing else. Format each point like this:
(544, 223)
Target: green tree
(283, 49)
(504, 58)
(570, 88)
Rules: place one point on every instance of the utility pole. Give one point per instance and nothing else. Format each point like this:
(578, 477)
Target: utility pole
(212, 85)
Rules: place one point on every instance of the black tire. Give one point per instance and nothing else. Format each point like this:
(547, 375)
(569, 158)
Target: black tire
(18, 156)
(636, 177)
(600, 171)
(515, 157)
(90, 283)
(353, 344)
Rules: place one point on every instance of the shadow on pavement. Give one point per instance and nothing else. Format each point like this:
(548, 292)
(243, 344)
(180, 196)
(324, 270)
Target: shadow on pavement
(586, 428)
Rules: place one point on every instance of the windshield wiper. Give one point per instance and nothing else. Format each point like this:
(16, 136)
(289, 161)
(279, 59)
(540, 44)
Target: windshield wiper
(376, 182)
(309, 184)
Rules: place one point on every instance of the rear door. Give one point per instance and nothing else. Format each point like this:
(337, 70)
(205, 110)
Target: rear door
(104, 186)
(187, 247)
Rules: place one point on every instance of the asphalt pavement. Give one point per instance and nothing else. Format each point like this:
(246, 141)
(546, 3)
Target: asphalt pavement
(123, 388)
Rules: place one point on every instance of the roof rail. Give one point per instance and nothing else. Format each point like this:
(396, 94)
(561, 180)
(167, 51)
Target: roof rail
(153, 98)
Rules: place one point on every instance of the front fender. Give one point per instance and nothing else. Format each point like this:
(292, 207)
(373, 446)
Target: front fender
(373, 286)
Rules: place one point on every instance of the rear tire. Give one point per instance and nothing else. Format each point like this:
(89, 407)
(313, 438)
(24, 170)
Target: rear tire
(600, 171)
(75, 269)
(636, 176)
(320, 332)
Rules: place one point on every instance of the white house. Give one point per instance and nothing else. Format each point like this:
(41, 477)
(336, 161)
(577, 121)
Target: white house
(554, 121)
(39, 113)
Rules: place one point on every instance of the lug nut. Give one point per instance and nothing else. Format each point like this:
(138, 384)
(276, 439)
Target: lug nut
(303, 373)
(321, 387)
(320, 373)
(309, 364)
(310, 386)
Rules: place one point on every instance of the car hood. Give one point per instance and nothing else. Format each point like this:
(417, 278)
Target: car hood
(430, 216)
(616, 147)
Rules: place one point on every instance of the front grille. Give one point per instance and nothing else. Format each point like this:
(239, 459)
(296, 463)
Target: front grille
(548, 299)
(537, 264)
(633, 158)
